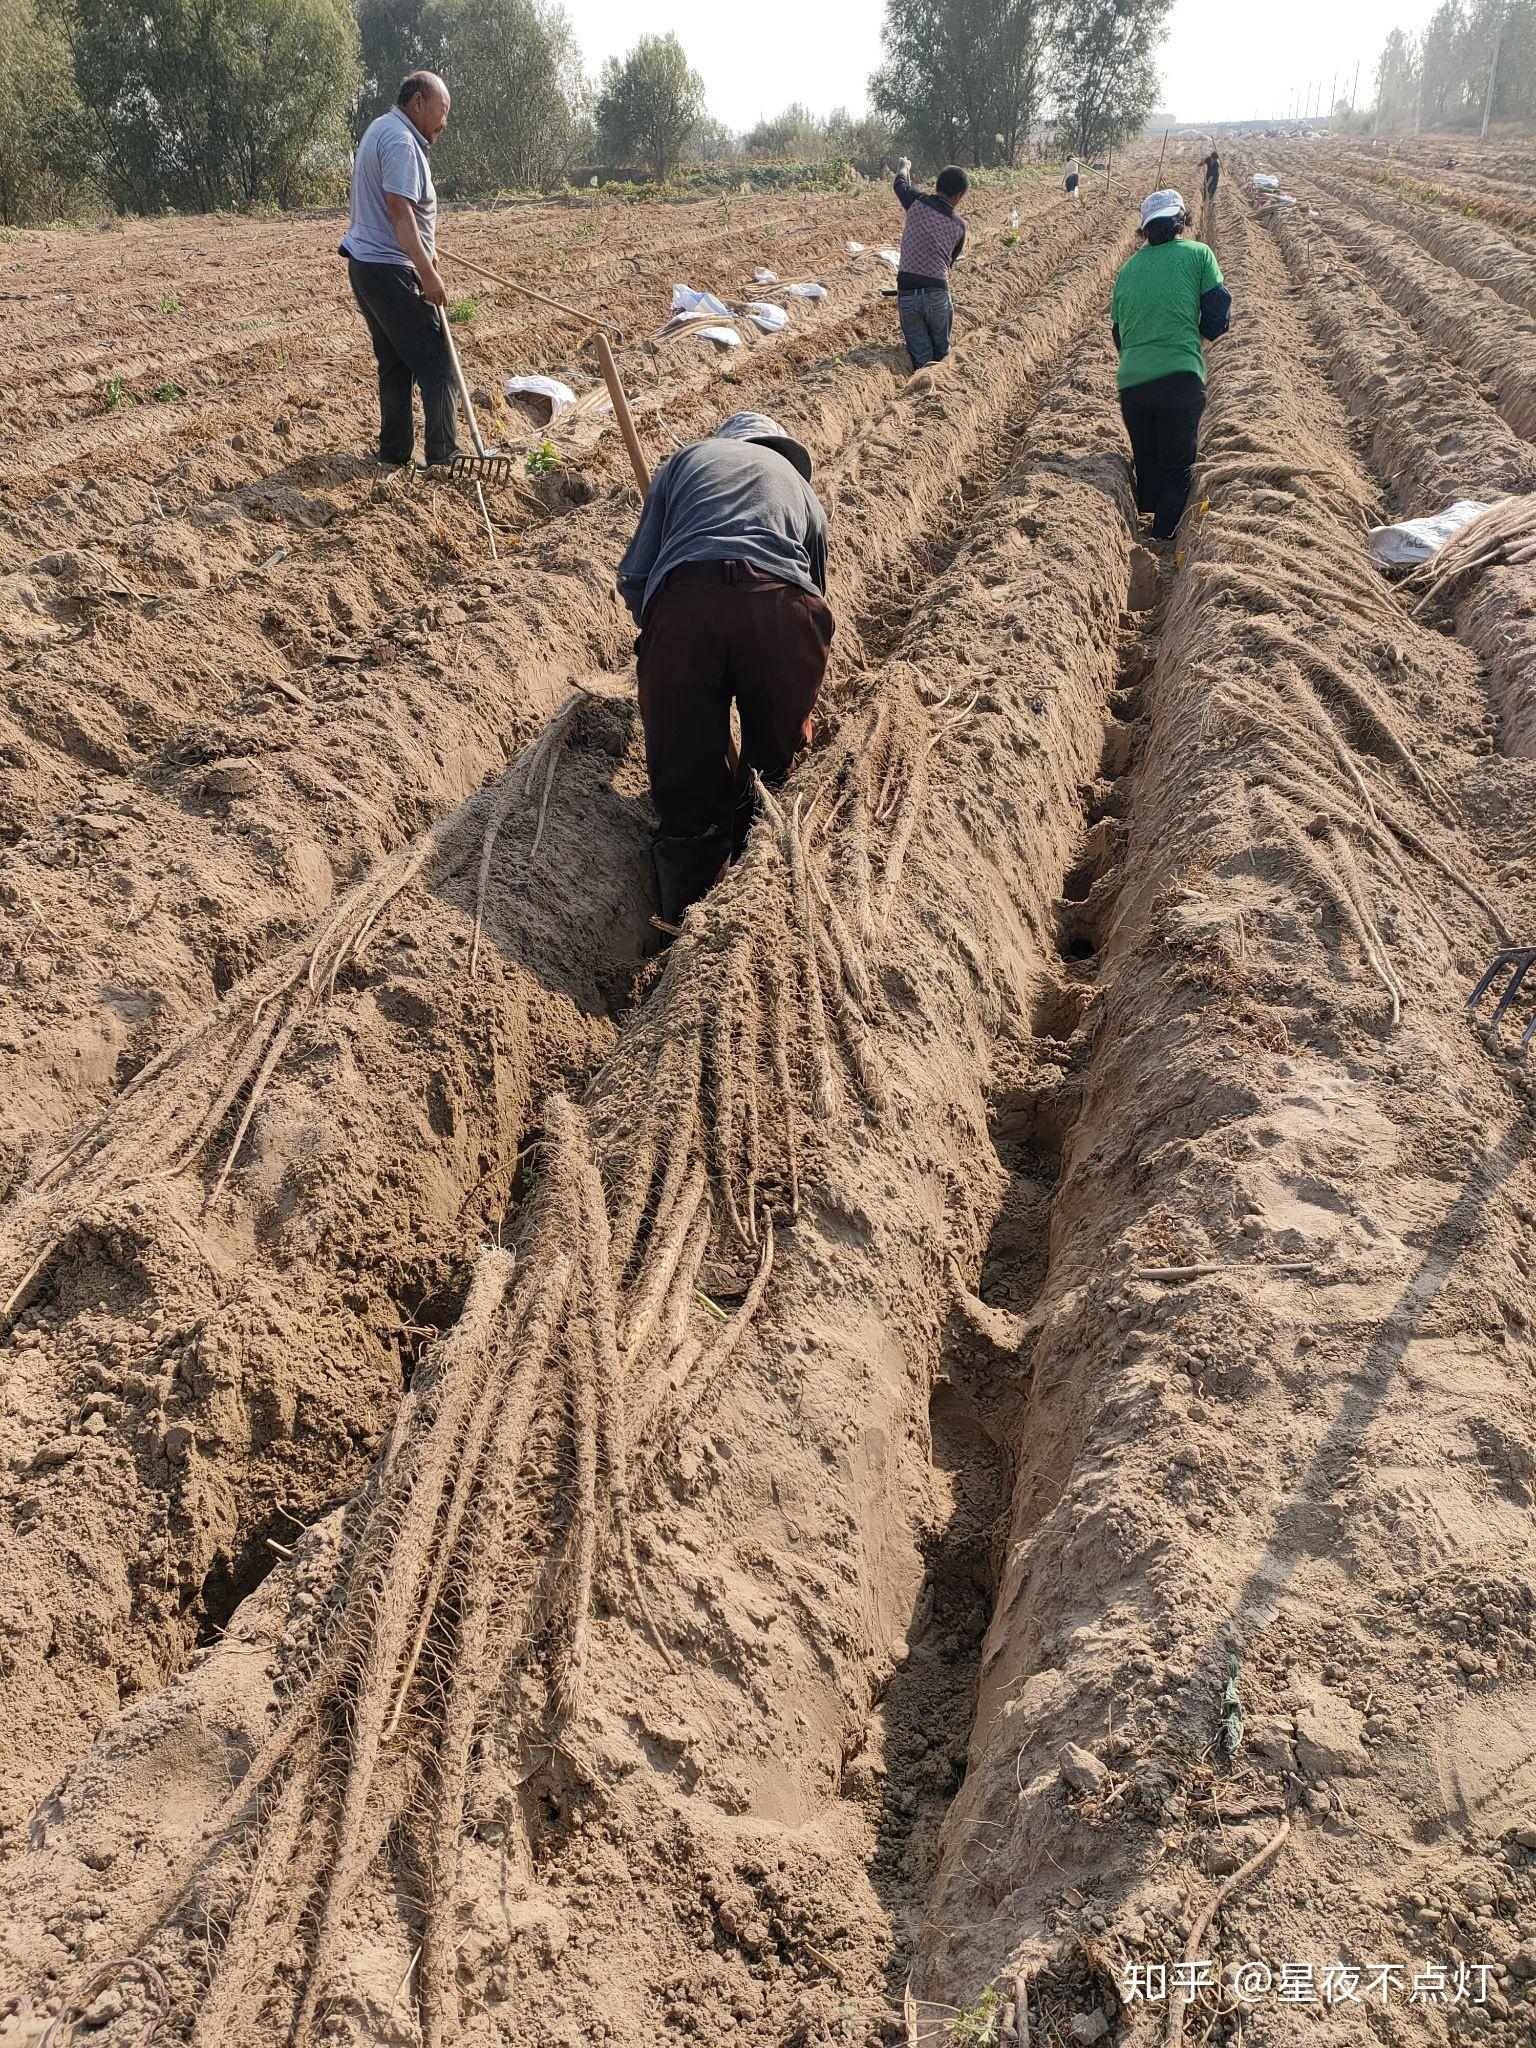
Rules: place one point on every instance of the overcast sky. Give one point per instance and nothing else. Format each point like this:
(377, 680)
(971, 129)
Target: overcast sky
(1222, 61)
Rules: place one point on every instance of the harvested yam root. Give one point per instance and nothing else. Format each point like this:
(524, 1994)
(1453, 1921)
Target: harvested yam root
(1503, 536)
(203, 1091)
(505, 1497)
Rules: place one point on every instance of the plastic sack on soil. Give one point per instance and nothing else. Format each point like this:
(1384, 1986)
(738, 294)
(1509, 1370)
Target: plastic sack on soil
(807, 291)
(765, 277)
(891, 256)
(1265, 182)
(560, 396)
(1415, 540)
(727, 337)
(854, 248)
(769, 318)
(686, 300)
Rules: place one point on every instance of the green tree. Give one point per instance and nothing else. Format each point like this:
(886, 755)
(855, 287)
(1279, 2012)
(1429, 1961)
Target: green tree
(396, 37)
(1103, 72)
(868, 141)
(1397, 82)
(1442, 68)
(44, 154)
(963, 78)
(1508, 27)
(791, 136)
(648, 103)
(712, 142)
(514, 68)
(208, 103)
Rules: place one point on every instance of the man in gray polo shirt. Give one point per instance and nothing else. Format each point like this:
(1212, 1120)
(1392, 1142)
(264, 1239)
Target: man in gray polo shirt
(391, 251)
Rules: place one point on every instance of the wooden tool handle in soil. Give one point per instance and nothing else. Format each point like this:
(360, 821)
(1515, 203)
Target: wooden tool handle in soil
(528, 292)
(621, 408)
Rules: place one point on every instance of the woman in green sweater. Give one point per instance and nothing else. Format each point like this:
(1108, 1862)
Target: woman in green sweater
(1167, 299)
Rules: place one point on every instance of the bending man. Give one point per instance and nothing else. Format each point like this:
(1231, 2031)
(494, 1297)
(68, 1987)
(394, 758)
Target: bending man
(391, 251)
(725, 577)
(1166, 299)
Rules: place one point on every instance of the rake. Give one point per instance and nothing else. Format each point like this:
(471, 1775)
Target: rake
(483, 466)
(1520, 960)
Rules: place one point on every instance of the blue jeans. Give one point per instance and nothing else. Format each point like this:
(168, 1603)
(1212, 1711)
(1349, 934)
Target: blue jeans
(926, 318)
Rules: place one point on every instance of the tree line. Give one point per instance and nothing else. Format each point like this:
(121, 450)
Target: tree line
(1441, 79)
(146, 106)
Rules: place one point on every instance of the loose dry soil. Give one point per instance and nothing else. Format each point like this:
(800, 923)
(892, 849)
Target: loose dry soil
(563, 1495)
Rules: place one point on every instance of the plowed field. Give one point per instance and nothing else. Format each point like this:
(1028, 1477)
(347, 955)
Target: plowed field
(959, 1439)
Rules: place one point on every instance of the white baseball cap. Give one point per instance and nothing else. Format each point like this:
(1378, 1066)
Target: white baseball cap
(1161, 206)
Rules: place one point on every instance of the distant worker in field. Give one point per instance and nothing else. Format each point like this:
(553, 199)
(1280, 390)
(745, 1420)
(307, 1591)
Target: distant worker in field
(391, 251)
(726, 577)
(1166, 299)
(1212, 167)
(1073, 178)
(931, 241)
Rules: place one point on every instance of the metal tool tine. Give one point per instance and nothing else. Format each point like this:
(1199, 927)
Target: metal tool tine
(490, 469)
(1494, 967)
(1510, 991)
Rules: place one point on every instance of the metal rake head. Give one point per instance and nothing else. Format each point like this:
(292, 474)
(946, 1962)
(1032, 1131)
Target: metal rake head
(1519, 960)
(483, 469)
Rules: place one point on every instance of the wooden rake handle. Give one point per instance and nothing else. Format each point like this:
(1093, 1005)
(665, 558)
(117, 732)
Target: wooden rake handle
(609, 368)
(512, 285)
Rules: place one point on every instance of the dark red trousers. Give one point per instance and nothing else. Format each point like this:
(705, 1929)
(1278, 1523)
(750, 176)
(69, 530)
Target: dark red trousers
(714, 632)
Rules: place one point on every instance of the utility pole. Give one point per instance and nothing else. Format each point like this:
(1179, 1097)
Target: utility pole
(1333, 96)
(1493, 72)
(1355, 88)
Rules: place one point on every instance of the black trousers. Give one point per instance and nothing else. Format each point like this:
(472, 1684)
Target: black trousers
(1162, 418)
(1212, 180)
(714, 632)
(409, 348)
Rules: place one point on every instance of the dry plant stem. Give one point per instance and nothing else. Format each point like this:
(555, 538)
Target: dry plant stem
(1309, 858)
(1178, 2003)
(681, 1140)
(462, 1355)
(778, 1041)
(1303, 789)
(74, 2007)
(517, 786)
(1331, 678)
(850, 1026)
(1415, 843)
(695, 1389)
(666, 1251)
(501, 1400)
(905, 823)
(267, 1888)
(570, 1666)
(280, 1042)
(825, 1089)
(613, 1440)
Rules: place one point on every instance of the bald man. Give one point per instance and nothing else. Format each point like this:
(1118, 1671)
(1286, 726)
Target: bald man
(391, 251)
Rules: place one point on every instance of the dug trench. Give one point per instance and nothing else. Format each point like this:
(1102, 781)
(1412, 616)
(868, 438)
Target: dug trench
(623, 1815)
(1256, 1696)
(1447, 441)
(217, 830)
(215, 1281)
